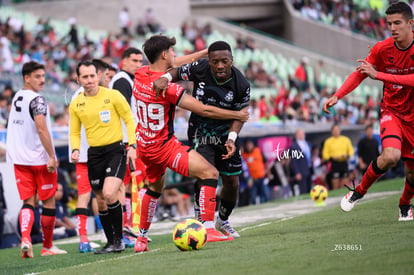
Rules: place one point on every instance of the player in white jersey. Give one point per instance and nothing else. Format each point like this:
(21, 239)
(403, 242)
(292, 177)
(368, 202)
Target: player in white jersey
(31, 150)
(84, 187)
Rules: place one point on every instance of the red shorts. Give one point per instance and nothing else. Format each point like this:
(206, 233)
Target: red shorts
(157, 158)
(397, 134)
(32, 179)
(84, 186)
(139, 172)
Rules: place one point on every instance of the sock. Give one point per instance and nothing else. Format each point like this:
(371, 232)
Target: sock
(124, 216)
(82, 220)
(26, 218)
(128, 204)
(226, 207)
(148, 207)
(207, 199)
(47, 222)
(371, 175)
(107, 226)
(98, 222)
(408, 193)
(115, 213)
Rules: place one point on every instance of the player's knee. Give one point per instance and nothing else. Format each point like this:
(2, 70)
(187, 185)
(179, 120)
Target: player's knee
(391, 158)
(409, 176)
(210, 173)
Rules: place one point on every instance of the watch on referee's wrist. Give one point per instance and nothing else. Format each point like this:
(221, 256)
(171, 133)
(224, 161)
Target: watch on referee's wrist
(132, 146)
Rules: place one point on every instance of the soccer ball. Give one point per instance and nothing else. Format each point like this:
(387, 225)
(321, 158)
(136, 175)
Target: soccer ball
(189, 235)
(319, 193)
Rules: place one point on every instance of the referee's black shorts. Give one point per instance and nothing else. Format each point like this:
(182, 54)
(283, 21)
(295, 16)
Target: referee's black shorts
(106, 161)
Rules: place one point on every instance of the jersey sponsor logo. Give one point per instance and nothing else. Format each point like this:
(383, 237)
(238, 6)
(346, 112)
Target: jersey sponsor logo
(105, 116)
(211, 99)
(200, 89)
(78, 105)
(47, 186)
(184, 76)
(95, 182)
(18, 121)
(386, 118)
(224, 104)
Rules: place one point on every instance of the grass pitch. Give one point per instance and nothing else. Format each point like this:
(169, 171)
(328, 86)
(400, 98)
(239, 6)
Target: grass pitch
(367, 240)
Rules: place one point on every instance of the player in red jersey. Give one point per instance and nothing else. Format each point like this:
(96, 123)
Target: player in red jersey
(392, 62)
(157, 145)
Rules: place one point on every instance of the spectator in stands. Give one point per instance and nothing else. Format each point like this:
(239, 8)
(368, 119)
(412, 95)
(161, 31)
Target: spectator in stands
(263, 107)
(253, 157)
(301, 79)
(337, 150)
(151, 21)
(73, 33)
(141, 28)
(318, 71)
(124, 21)
(300, 162)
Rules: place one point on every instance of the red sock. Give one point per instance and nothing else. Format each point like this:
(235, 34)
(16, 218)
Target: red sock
(128, 205)
(407, 195)
(207, 202)
(83, 231)
(148, 207)
(47, 221)
(369, 178)
(26, 218)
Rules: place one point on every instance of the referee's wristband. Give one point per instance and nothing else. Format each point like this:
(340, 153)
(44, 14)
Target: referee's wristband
(232, 136)
(167, 76)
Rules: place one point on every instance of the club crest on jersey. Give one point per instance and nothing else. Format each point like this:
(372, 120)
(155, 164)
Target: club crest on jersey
(229, 96)
(105, 116)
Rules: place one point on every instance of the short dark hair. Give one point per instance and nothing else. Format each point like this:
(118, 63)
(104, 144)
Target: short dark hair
(155, 45)
(127, 53)
(400, 7)
(86, 63)
(100, 65)
(219, 46)
(30, 67)
(369, 126)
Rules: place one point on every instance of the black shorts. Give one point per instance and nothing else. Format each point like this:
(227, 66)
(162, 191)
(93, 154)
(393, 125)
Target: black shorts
(339, 169)
(213, 149)
(106, 161)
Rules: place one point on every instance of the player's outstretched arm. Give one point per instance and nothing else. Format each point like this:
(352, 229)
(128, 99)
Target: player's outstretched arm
(350, 83)
(190, 103)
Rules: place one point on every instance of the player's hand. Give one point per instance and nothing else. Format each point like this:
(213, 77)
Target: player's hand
(230, 147)
(329, 103)
(131, 156)
(75, 156)
(366, 68)
(244, 114)
(51, 165)
(160, 86)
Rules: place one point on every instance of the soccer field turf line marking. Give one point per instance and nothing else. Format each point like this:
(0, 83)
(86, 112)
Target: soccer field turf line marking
(264, 224)
(95, 262)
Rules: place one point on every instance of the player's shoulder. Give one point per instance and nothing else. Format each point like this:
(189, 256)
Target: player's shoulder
(240, 78)
(388, 42)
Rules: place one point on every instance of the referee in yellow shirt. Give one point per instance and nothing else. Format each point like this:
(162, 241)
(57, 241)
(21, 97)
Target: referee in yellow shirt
(337, 149)
(100, 111)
